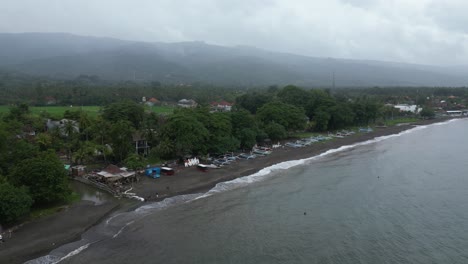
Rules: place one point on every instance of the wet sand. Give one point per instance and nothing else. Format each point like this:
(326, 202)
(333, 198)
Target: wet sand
(39, 237)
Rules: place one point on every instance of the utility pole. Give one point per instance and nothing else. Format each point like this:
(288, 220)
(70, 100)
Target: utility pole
(333, 80)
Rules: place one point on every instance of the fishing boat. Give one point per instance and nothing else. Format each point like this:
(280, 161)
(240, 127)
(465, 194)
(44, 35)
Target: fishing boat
(205, 167)
(167, 171)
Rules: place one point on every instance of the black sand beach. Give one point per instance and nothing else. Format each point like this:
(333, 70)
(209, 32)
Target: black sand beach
(41, 236)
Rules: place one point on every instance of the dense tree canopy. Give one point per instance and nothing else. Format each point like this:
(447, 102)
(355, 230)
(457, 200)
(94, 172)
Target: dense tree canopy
(14, 203)
(295, 96)
(427, 112)
(124, 110)
(44, 176)
(185, 134)
(289, 116)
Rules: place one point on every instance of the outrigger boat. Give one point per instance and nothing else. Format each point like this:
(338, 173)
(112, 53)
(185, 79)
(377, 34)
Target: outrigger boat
(167, 171)
(205, 167)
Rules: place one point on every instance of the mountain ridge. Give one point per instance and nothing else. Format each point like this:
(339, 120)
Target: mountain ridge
(64, 55)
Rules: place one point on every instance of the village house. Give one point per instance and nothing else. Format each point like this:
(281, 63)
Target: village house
(141, 143)
(152, 102)
(61, 125)
(27, 132)
(221, 106)
(187, 103)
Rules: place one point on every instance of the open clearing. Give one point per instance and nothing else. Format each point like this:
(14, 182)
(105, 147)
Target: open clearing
(57, 111)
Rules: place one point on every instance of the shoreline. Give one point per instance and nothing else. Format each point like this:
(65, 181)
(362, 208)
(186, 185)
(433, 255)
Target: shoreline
(190, 180)
(37, 238)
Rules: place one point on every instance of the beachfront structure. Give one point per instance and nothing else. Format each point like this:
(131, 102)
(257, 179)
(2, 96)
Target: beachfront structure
(113, 173)
(408, 108)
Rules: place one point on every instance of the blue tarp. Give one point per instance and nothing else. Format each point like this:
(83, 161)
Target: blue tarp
(153, 172)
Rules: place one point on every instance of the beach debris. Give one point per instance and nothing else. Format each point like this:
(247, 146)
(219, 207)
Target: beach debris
(278, 145)
(191, 162)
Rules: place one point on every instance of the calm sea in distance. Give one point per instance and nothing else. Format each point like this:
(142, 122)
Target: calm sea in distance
(402, 199)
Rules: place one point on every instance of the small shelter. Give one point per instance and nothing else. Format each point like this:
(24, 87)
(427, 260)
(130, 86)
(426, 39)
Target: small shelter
(112, 173)
(78, 171)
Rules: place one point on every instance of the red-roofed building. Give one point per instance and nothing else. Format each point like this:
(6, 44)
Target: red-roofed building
(221, 106)
(152, 101)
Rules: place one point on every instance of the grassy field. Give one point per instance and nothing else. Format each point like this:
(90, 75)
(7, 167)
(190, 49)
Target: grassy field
(56, 111)
(162, 109)
(94, 111)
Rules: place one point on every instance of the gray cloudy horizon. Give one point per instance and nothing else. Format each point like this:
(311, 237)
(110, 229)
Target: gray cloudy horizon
(413, 31)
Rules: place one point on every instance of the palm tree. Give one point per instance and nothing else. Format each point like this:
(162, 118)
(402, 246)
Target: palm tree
(85, 124)
(68, 131)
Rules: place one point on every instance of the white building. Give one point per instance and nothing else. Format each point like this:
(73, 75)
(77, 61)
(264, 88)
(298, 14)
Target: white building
(408, 108)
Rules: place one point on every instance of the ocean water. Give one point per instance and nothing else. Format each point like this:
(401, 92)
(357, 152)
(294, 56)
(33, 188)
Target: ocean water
(396, 199)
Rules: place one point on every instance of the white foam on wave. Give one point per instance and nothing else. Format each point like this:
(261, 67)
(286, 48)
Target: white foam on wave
(168, 202)
(267, 172)
(48, 259)
(121, 229)
(73, 253)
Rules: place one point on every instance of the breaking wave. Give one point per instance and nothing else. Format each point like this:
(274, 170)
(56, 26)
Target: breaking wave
(267, 172)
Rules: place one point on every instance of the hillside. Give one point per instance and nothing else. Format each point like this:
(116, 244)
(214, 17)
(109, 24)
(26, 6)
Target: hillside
(67, 56)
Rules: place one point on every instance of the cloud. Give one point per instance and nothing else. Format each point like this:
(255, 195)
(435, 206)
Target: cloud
(418, 31)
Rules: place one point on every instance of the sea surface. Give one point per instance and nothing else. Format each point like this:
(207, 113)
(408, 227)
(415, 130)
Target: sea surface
(396, 199)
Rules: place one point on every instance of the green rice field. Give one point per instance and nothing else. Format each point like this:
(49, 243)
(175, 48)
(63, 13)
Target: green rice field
(162, 109)
(94, 111)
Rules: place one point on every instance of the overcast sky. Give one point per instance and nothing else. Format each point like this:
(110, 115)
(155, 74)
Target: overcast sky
(418, 31)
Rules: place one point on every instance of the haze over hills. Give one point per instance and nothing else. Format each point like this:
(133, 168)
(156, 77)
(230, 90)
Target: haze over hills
(60, 55)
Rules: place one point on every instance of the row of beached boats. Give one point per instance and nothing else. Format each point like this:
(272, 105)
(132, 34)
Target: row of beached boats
(307, 141)
(227, 159)
(311, 140)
